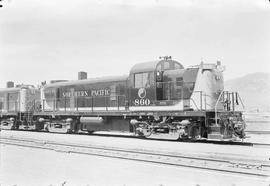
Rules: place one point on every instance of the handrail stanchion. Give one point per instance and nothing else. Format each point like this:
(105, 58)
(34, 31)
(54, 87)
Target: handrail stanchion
(241, 101)
(194, 103)
(34, 105)
(65, 104)
(106, 103)
(229, 101)
(92, 103)
(182, 96)
(233, 101)
(77, 103)
(217, 105)
(205, 102)
(117, 102)
(54, 105)
(201, 100)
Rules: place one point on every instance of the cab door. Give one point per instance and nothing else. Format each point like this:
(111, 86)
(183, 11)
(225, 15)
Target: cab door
(159, 85)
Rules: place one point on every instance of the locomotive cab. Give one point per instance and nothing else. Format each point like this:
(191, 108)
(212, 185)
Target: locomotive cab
(148, 83)
(186, 102)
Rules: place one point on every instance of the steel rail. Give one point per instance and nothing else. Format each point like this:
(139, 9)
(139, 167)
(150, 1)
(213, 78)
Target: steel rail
(221, 142)
(264, 145)
(235, 167)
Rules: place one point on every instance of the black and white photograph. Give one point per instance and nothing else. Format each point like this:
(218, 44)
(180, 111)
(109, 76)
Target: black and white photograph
(135, 93)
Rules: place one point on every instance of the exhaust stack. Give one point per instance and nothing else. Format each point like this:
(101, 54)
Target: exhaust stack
(82, 75)
(10, 84)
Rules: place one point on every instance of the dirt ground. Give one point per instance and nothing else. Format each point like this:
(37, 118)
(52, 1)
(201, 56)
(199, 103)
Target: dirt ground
(26, 167)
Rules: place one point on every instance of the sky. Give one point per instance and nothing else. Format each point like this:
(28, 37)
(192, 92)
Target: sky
(49, 40)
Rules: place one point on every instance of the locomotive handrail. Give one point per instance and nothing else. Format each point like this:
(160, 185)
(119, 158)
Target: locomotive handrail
(219, 97)
(195, 104)
(205, 101)
(238, 95)
(229, 101)
(201, 97)
(55, 104)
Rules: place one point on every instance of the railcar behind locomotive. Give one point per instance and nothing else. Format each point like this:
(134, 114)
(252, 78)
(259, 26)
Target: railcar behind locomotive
(156, 99)
(17, 105)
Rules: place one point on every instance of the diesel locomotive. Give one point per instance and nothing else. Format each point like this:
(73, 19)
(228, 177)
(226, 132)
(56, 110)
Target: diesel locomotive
(156, 99)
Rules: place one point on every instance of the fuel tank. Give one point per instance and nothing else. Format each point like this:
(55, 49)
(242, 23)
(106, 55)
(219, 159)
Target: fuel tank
(92, 120)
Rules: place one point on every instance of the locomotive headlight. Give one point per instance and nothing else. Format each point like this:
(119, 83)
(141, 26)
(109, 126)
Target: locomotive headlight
(159, 76)
(41, 119)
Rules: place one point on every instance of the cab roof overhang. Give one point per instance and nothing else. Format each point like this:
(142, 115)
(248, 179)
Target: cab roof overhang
(149, 66)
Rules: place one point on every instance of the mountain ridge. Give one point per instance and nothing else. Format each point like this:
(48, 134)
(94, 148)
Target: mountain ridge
(254, 89)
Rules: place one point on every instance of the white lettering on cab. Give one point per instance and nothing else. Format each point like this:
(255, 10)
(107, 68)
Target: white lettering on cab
(142, 102)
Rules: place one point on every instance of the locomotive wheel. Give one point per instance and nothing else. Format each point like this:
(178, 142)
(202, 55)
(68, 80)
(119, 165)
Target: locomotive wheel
(142, 130)
(144, 134)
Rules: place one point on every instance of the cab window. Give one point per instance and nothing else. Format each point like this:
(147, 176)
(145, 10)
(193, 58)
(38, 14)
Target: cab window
(142, 80)
(166, 65)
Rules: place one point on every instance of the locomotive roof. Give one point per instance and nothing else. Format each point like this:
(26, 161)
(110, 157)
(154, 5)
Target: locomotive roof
(90, 80)
(149, 66)
(13, 89)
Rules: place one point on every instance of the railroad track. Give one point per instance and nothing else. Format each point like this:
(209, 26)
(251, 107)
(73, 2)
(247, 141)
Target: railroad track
(258, 169)
(257, 132)
(225, 142)
(263, 145)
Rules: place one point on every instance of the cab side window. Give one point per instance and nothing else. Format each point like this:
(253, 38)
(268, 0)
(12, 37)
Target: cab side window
(143, 80)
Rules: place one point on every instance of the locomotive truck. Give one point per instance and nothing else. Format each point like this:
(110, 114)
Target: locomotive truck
(158, 98)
